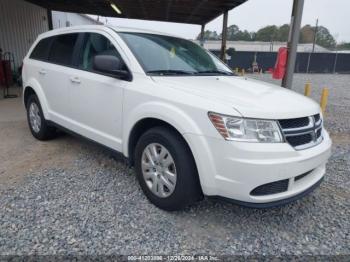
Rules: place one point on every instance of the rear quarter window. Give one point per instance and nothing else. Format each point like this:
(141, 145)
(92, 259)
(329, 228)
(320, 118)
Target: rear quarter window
(41, 50)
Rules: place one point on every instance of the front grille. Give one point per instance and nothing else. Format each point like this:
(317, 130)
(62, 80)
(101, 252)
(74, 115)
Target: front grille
(317, 117)
(302, 132)
(299, 140)
(319, 133)
(294, 123)
(271, 188)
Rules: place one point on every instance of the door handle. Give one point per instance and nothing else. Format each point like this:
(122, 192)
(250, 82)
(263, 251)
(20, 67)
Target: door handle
(75, 79)
(42, 72)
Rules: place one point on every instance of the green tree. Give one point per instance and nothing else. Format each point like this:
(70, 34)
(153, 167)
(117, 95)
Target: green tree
(283, 33)
(232, 32)
(209, 35)
(343, 46)
(275, 33)
(244, 36)
(235, 34)
(324, 38)
(267, 33)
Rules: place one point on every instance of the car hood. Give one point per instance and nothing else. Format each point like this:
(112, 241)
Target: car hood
(250, 97)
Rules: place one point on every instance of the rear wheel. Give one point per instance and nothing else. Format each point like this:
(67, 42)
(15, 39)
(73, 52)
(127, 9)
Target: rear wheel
(37, 123)
(166, 169)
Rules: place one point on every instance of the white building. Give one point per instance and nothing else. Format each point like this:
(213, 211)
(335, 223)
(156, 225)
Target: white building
(62, 19)
(259, 46)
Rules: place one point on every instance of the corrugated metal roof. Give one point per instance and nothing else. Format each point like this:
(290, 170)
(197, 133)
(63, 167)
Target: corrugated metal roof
(180, 11)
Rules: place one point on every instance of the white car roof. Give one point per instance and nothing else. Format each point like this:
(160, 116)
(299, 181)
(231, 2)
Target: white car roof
(100, 27)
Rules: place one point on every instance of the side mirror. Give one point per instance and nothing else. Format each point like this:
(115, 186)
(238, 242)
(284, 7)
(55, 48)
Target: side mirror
(110, 65)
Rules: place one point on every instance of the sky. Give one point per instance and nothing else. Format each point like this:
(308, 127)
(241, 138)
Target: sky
(255, 14)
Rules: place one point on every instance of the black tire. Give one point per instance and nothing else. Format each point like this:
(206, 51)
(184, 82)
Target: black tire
(45, 131)
(187, 188)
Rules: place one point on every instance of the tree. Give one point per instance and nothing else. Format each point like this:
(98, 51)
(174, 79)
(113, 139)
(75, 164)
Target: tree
(343, 46)
(244, 36)
(306, 34)
(209, 35)
(323, 36)
(275, 33)
(267, 33)
(283, 33)
(234, 34)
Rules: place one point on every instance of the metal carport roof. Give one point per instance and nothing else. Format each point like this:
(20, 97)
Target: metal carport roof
(179, 11)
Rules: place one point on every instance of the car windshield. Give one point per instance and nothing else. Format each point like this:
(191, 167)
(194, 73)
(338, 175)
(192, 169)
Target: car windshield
(167, 55)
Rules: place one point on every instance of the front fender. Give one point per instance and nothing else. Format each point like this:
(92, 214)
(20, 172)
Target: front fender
(171, 114)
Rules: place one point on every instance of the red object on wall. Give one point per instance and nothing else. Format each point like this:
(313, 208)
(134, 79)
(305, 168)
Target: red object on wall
(6, 65)
(281, 62)
(2, 74)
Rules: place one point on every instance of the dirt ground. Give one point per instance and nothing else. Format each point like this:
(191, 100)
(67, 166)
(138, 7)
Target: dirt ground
(21, 154)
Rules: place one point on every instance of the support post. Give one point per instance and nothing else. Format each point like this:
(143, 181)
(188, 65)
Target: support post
(202, 35)
(49, 19)
(293, 41)
(313, 47)
(224, 37)
(324, 99)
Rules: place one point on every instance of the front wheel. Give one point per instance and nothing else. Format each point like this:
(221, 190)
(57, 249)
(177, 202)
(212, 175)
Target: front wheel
(166, 169)
(37, 123)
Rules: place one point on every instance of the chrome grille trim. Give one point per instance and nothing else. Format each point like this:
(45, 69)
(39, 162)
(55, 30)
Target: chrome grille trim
(312, 128)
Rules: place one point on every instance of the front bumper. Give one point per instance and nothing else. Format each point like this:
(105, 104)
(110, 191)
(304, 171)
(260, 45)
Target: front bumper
(232, 170)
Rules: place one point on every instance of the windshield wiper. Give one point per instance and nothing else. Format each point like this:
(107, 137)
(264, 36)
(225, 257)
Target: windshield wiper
(215, 72)
(169, 72)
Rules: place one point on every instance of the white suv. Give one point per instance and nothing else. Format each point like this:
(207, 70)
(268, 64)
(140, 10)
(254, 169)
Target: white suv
(188, 125)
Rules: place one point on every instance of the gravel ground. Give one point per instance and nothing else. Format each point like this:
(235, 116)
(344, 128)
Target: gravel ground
(81, 200)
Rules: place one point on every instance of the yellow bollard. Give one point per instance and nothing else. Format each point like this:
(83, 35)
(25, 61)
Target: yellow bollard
(324, 99)
(243, 71)
(237, 70)
(307, 91)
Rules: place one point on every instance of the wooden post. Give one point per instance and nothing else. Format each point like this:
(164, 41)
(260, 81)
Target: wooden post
(224, 37)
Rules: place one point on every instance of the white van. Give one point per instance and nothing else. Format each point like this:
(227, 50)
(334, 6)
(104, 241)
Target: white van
(189, 126)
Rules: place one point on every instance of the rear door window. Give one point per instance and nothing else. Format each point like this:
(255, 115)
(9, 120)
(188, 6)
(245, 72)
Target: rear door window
(41, 50)
(62, 49)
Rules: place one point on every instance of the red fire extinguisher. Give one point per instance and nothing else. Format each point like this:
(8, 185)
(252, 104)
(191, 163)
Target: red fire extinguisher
(281, 62)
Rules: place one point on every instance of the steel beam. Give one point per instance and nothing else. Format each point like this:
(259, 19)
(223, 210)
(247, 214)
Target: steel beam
(202, 35)
(224, 37)
(49, 19)
(293, 41)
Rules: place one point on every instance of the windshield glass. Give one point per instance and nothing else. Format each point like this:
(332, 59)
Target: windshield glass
(166, 55)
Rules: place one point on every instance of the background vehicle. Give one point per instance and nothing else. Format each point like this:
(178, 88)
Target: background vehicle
(180, 116)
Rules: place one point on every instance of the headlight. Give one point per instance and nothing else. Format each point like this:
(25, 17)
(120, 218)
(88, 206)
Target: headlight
(245, 129)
